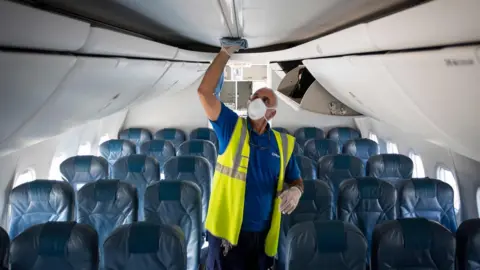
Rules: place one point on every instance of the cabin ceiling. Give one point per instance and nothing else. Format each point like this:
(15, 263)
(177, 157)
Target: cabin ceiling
(199, 24)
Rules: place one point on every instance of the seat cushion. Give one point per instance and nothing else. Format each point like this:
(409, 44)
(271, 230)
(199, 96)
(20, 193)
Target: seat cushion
(315, 149)
(80, 170)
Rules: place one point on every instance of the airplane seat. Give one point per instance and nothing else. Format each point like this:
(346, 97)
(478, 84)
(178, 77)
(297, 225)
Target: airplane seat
(298, 150)
(468, 244)
(136, 135)
(315, 149)
(191, 168)
(428, 198)
(202, 148)
(334, 169)
(394, 168)
(175, 136)
(205, 134)
(145, 246)
(316, 204)
(38, 202)
(160, 150)
(413, 243)
(331, 244)
(343, 134)
(4, 249)
(366, 202)
(308, 168)
(112, 150)
(281, 130)
(139, 171)
(302, 135)
(361, 148)
(55, 245)
(178, 203)
(105, 205)
(80, 170)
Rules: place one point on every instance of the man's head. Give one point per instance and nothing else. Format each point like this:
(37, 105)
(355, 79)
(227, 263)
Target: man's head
(262, 105)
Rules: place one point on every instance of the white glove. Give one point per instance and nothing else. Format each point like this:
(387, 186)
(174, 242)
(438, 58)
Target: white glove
(290, 198)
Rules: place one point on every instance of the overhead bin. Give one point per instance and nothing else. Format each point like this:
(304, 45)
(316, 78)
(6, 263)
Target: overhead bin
(26, 27)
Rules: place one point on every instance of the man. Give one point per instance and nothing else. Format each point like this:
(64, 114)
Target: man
(248, 194)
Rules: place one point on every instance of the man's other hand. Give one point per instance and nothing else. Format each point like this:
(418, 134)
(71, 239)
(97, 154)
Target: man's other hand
(290, 199)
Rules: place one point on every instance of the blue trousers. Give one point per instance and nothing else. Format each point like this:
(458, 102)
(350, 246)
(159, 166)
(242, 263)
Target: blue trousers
(249, 254)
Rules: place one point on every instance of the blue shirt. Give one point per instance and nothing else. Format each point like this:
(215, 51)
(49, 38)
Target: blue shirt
(263, 170)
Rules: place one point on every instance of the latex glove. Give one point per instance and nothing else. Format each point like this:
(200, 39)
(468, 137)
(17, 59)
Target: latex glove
(230, 49)
(290, 198)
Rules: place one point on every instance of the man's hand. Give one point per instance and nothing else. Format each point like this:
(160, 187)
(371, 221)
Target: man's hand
(290, 198)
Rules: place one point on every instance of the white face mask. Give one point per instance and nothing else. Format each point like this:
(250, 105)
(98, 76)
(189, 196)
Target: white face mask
(256, 109)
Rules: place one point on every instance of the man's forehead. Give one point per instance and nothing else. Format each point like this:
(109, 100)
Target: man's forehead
(265, 92)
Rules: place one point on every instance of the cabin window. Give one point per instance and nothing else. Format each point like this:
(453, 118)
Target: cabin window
(105, 137)
(373, 137)
(26, 176)
(447, 176)
(84, 149)
(392, 148)
(54, 172)
(418, 169)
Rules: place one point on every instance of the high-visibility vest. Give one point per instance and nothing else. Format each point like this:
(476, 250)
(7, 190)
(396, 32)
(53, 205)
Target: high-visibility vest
(225, 211)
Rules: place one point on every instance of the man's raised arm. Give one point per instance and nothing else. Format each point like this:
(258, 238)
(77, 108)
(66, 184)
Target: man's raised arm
(206, 90)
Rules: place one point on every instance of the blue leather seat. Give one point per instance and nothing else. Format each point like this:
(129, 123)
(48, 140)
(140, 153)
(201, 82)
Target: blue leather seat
(112, 150)
(105, 205)
(160, 150)
(334, 169)
(4, 249)
(145, 246)
(204, 134)
(361, 148)
(38, 202)
(80, 170)
(308, 168)
(202, 148)
(413, 243)
(394, 168)
(366, 202)
(343, 134)
(191, 168)
(316, 204)
(298, 150)
(178, 203)
(307, 133)
(331, 245)
(139, 171)
(315, 149)
(428, 198)
(468, 244)
(282, 130)
(136, 135)
(55, 245)
(176, 136)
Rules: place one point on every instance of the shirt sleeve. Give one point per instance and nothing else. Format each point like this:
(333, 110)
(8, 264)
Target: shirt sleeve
(292, 172)
(224, 126)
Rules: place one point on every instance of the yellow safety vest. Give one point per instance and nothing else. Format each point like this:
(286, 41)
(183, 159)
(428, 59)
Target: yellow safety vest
(225, 211)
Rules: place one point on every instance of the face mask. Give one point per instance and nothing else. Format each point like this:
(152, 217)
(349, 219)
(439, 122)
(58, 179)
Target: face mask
(256, 109)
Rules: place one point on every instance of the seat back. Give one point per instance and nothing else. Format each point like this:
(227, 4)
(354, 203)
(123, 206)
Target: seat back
(394, 168)
(428, 198)
(298, 149)
(139, 171)
(315, 149)
(38, 202)
(366, 202)
(105, 205)
(136, 135)
(145, 246)
(343, 134)
(80, 170)
(307, 133)
(160, 150)
(413, 243)
(4, 249)
(308, 168)
(55, 245)
(175, 136)
(282, 130)
(202, 148)
(112, 150)
(332, 244)
(334, 169)
(204, 134)
(468, 244)
(191, 168)
(178, 203)
(361, 148)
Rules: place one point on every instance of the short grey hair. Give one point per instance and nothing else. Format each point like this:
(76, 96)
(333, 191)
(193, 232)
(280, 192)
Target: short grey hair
(273, 92)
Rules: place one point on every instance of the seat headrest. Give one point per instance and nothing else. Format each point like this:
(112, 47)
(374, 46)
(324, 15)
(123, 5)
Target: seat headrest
(84, 169)
(468, 244)
(306, 133)
(350, 166)
(281, 130)
(343, 134)
(308, 168)
(317, 148)
(361, 148)
(112, 150)
(160, 150)
(298, 150)
(204, 134)
(141, 164)
(135, 135)
(390, 166)
(176, 136)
